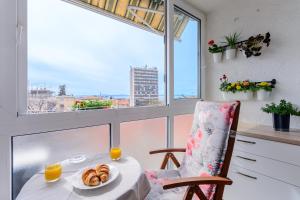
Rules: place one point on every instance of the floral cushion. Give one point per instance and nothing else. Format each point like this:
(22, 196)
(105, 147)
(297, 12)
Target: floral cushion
(205, 150)
(156, 179)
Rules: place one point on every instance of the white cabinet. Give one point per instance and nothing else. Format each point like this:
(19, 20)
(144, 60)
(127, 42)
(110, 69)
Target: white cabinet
(262, 169)
(249, 185)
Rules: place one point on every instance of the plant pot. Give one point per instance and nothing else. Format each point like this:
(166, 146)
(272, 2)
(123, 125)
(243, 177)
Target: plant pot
(263, 95)
(230, 54)
(242, 96)
(281, 122)
(217, 57)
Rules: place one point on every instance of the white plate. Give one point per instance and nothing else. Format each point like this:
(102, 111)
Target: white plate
(76, 179)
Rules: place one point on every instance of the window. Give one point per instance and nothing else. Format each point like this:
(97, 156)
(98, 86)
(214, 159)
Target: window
(78, 59)
(31, 152)
(186, 55)
(138, 138)
(182, 129)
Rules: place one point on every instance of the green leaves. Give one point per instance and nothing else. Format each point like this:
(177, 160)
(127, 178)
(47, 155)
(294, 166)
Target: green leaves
(91, 104)
(215, 49)
(232, 39)
(283, 108)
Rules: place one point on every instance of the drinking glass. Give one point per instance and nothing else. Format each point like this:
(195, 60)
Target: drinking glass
(115, 153)
(53, 172)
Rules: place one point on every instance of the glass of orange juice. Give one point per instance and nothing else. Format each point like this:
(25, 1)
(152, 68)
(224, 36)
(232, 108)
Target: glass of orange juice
(115, 153)
(53, 172)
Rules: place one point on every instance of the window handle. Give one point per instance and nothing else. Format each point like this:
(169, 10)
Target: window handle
(246, 141)
(245, 158)
(20, 34)
(246, 175)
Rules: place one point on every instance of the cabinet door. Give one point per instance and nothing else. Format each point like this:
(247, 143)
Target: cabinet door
(248, 185)
(269, 167)
(274, 150)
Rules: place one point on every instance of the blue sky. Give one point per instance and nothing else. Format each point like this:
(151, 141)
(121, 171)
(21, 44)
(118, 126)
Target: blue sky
(92, 54)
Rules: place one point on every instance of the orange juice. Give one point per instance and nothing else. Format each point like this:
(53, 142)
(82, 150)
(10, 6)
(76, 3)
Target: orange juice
(115, 153)
(53, 172)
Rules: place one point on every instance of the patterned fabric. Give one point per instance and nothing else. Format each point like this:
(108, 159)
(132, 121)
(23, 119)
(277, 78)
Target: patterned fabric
(205, 150)
(156, 179)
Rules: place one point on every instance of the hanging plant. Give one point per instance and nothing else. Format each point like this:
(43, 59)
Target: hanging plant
(253, 46)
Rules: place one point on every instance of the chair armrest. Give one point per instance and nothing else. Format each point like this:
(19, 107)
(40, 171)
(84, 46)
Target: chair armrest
(167, 150)
(191, 181)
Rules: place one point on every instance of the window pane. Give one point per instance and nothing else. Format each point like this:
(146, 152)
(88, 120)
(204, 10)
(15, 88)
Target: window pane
(186, 55)
(182, 129)
(140, 137)
(31, 152)
(75, 54)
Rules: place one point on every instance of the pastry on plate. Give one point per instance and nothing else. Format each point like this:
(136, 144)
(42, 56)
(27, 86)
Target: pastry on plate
(90, 177)
(103, 172)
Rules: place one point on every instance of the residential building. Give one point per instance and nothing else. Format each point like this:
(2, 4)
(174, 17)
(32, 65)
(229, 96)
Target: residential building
(143, 86)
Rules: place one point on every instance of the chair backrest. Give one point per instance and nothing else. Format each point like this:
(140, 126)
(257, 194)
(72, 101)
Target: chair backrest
(210, 145)
(230, 145)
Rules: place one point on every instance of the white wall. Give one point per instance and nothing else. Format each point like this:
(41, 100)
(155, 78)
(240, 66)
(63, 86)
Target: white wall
(281, 60)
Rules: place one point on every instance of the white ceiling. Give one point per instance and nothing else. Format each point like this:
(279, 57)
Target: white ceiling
(207, 5)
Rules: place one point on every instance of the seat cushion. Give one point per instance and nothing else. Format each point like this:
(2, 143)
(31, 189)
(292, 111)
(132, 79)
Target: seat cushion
(156, 179)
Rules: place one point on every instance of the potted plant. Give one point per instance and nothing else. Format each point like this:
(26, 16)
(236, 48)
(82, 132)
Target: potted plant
(216, 51)
(239, 90)
(253, 46)
(281, 114)
(264, 90)
(231, 41)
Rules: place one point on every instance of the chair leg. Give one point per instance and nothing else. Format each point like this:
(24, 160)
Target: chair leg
(174, 159)
(191, 190)
(165, 161)
(199, 193)
(189, 193)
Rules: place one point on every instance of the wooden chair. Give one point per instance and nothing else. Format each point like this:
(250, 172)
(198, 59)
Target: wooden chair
(193, 183)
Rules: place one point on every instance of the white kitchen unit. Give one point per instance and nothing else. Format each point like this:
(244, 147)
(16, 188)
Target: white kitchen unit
(265, 165)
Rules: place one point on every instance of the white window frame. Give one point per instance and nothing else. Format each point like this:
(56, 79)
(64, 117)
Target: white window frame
(14, 75)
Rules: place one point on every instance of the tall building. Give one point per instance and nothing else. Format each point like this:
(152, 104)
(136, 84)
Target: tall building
(143, 86)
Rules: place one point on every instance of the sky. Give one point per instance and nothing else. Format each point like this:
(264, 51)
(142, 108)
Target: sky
(91, 54)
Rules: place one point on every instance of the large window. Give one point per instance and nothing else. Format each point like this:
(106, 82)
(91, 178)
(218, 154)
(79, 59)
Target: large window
(186, 56)
(78, 59)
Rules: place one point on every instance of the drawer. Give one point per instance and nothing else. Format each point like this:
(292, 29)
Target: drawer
(248, 185)
(278, 170)
(275, 150)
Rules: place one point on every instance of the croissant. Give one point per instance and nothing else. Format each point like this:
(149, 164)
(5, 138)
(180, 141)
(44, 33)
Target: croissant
(90, 178)
(103, 172)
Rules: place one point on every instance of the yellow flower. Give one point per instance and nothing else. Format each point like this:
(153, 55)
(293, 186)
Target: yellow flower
(228, 87)
(238, 87)
(232, 84)
(264, 84)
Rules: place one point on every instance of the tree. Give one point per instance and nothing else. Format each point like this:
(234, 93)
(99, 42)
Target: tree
(62, 90)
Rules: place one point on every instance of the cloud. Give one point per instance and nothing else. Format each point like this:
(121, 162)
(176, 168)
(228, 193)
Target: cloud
(89, 51)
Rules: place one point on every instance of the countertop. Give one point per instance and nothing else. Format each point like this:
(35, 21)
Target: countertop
(268, 133)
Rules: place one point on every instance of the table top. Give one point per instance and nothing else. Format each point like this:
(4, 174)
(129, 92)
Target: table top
(268, 133)
(130, 184)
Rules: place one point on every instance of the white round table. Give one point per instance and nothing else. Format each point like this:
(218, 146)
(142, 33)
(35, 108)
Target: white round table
(131, 183)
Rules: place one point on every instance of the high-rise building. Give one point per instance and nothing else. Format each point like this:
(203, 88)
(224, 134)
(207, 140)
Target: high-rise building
(143, 86)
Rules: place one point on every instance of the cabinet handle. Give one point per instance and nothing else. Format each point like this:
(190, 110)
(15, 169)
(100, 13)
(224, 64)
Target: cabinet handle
(246, 141)
(245, 158)
(246, 175)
